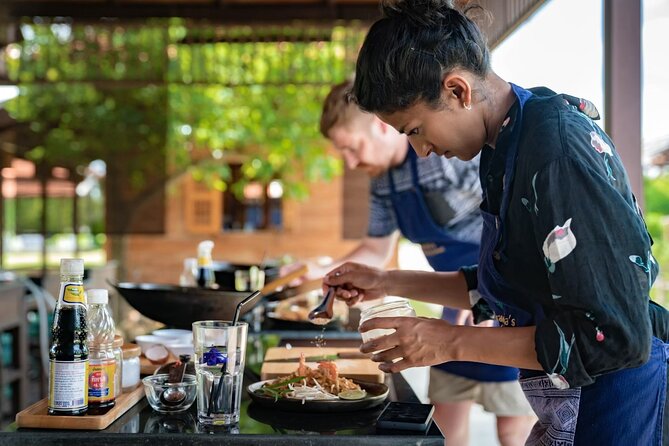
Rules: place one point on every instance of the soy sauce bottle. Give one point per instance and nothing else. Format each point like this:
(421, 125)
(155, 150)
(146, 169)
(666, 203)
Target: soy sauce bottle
(205, 272)
(68, 353)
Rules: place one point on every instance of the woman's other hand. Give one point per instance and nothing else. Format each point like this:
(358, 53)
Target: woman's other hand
(356, 282)
(416, 342)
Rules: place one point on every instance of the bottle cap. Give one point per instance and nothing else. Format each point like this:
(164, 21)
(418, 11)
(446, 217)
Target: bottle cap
(72, 267)
(97, 296)
(204, 248)
(204, 253)
(131, 351)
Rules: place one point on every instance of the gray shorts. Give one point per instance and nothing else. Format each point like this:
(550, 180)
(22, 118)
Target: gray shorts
(505, 399)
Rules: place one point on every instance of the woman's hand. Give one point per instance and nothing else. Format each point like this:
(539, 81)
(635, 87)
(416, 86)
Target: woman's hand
(416, 342)
(356, 282)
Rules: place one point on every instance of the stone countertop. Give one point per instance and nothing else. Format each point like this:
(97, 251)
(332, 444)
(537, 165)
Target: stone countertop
(258, 425)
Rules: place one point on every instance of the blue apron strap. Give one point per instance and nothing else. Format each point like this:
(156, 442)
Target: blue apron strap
(413, 159)
(509, 170)
(391, 181)
(414, 171)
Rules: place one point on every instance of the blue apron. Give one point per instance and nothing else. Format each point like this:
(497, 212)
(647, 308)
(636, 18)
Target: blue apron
(620, 408)
(445, 253)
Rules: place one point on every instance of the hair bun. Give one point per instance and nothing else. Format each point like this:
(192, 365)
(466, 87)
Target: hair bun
(419, 12)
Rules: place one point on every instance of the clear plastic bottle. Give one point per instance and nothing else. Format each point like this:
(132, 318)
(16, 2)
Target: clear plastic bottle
(389, 309)
(102, 363)
(68, 352)
(189, 273)
(118, 358)
(205, 273)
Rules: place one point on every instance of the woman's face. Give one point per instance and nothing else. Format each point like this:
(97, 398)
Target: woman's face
(451, 129)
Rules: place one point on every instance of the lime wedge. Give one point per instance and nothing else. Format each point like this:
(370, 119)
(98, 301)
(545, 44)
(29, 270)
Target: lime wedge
(352, 394)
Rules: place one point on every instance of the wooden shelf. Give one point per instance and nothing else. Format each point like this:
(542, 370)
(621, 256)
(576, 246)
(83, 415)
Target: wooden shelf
(15, 372)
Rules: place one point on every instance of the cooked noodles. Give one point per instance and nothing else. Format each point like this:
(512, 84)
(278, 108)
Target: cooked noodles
(306, 383)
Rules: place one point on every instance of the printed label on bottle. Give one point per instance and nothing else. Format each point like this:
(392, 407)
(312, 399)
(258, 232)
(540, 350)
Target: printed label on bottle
(68, 386)
(101, 380)
(73, 293)
(204, 261)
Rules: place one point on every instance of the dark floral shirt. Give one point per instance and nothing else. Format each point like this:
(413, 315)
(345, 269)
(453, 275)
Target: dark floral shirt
(574, 246)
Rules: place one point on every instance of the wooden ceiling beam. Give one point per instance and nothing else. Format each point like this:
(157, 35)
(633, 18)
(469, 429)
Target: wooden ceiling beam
(225, 12)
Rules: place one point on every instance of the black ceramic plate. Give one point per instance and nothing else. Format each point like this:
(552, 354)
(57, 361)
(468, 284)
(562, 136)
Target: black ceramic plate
(361, 421)
(376, 394)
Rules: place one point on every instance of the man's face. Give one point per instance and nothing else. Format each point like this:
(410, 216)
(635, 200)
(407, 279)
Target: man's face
(366, 147)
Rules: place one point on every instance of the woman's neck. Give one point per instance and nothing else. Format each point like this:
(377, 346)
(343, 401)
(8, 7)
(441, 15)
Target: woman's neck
(501, 98)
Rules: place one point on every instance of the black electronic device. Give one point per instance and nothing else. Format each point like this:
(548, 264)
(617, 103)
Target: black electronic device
(405, 416)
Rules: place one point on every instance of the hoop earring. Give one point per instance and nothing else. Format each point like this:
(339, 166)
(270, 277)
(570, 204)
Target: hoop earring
(467, 106)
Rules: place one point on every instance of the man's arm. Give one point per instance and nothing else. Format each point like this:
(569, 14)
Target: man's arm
(373, 251)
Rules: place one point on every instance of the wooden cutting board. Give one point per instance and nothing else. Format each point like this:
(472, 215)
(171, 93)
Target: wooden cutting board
(36, 416)
(363, 369)
(146, 367)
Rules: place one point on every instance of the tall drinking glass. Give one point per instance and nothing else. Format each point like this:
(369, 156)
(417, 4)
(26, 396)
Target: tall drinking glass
(220, 350)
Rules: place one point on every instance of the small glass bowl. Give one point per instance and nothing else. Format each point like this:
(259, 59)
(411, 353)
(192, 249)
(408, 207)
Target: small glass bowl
(167, 397)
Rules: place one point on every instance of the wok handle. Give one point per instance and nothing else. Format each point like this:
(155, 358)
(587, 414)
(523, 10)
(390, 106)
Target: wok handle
(285, 280)
(353, 355)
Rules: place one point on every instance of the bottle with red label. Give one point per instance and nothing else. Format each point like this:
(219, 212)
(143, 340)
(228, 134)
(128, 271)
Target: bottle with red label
(101, 360)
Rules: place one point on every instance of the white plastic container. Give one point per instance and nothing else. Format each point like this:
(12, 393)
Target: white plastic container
(131, 367)
(118, 359)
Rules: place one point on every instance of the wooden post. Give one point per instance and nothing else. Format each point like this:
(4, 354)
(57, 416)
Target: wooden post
(622, 84)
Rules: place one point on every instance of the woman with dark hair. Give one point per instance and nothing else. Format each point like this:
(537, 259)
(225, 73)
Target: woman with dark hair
(565, 264)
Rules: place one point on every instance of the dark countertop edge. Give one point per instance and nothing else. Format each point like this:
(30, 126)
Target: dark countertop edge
(82, 438)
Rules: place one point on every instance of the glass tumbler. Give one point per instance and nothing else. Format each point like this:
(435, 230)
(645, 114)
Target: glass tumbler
(220, 351)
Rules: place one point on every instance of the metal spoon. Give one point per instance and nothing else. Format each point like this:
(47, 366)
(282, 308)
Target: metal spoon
(173, 396)
(324, 312)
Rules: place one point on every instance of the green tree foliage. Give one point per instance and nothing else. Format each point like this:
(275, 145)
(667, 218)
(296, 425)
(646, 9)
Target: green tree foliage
(656, 194)
(72, 124)
(264, 123)
(132, 92)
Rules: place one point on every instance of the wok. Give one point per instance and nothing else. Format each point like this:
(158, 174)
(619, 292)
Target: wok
(180, 306)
